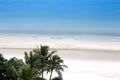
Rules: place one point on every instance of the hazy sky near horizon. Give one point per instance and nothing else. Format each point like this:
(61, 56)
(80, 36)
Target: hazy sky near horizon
(60, 14)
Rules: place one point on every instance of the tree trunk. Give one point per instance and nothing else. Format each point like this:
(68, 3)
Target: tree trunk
(42, 74)
(51, 74)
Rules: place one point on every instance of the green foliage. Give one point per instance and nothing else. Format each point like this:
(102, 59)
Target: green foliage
(31, 59)
(28, 73)
(37, 62)
(44, 55)
(56, 64)
(2, 67)
(16, 63)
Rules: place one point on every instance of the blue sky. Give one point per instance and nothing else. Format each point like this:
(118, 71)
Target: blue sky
(76, 15)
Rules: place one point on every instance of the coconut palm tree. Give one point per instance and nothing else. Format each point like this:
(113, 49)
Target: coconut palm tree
(31, 59)
(37, 62)
(56, 64)
(43, 54)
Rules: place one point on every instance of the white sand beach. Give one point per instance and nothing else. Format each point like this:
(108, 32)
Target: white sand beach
(87, 60)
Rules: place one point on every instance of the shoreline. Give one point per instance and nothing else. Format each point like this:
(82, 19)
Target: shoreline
(29, 43)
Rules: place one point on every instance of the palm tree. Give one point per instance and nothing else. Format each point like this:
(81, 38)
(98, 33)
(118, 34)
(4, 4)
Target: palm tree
(56, 64)
(31, 59)
(44, 55)
(37, 62)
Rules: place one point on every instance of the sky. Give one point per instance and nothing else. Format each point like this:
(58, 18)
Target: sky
(60, 15)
